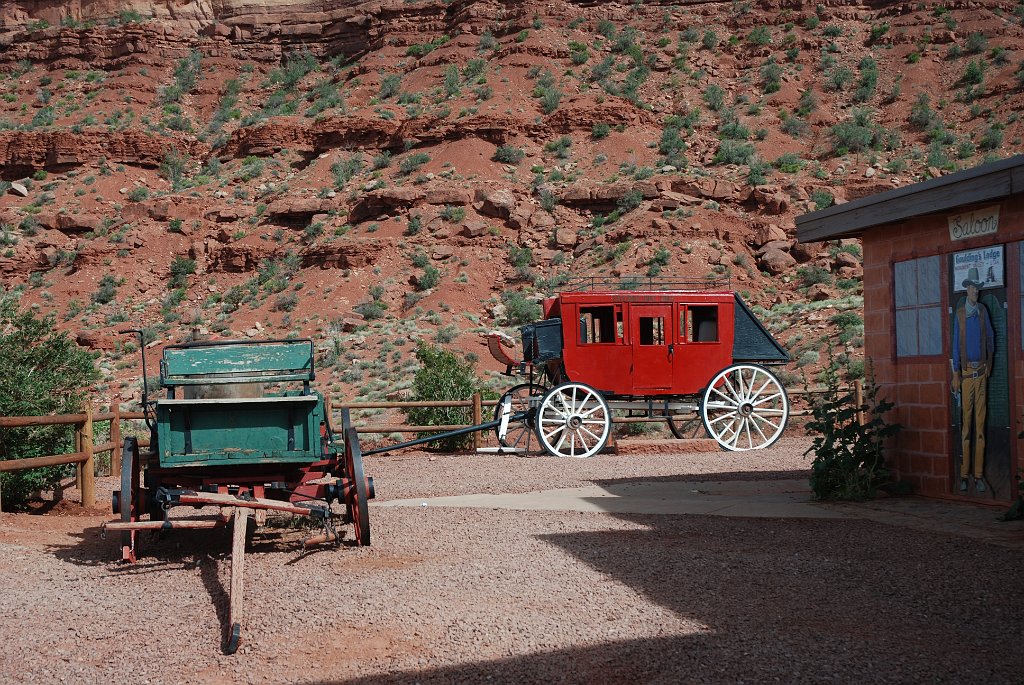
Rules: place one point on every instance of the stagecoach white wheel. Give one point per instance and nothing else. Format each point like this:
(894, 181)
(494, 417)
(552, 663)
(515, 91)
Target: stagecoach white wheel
(574, 421)
(745, 407)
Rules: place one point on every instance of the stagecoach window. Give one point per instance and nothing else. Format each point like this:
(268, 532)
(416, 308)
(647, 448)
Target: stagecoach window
(598, 324)
(652, 330)
(702, 324)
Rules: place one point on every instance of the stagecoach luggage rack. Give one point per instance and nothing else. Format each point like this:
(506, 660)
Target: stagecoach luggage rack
(605, 283)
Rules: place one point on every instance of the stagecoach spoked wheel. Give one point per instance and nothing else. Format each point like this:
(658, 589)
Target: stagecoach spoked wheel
(357, 493)
(518, 433)
(573, 421)
(745, 407)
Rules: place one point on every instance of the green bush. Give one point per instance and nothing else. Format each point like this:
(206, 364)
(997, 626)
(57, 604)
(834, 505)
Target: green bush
(733, 152)
(442, 376)
(181, 269)
(509, 154)
(822, 199)
(848, 461)
(107, 290)
(138, 194)
(45, 372)
(519, 309)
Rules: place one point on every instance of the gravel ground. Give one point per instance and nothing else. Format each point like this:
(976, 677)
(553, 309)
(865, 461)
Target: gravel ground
(475, 595)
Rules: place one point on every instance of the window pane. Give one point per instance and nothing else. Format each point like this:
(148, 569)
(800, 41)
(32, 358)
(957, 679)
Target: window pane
(652, 330)
(906, 332)
(928, 280)
(906, 283)
(929, 330)
(703, 324)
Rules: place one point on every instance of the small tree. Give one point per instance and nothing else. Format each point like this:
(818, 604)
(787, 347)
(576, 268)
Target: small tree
(45, 372)
(442, 376)
(848, 455)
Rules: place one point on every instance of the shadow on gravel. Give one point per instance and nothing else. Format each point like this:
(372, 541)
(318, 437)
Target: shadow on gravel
(789, 600)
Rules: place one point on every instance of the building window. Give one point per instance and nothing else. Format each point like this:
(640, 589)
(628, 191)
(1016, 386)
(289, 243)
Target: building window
(918, 293)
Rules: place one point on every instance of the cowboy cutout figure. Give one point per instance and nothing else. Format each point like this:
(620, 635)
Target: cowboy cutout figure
(973, 345)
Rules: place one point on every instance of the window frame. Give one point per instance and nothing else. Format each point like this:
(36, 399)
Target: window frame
(916, 307)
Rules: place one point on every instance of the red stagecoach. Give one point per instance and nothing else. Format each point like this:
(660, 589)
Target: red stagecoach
(661, 348)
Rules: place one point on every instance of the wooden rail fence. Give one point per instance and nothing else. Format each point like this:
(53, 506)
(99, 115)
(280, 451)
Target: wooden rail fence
(84, 456)
(86, 449)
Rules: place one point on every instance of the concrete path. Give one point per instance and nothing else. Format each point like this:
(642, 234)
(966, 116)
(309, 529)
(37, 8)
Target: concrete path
(767, 498)
(764, 499)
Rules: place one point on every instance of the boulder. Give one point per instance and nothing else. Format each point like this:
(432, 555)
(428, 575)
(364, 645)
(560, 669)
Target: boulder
(775, 261)
(497, 203)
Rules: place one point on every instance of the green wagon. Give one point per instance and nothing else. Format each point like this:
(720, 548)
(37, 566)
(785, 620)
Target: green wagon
(239, 428)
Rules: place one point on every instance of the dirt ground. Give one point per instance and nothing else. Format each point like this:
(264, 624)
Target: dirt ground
(478, 595)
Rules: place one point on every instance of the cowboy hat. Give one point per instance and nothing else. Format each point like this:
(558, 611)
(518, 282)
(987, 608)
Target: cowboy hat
(973, 278)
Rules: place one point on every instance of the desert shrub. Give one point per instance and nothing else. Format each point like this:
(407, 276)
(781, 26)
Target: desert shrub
(453, 213)
(286, 302)
(442, 376)
(600, 130)
(389, 86)
(344, 170)
(295, 68)
(856, 134)
(181, 269)
(789, 163)
(252, 167)
(848, 456)
(509, 154)
(822, 198)
(173, 168)
(976, 43)
(771, 76)
(714, 97)
(761, 35)
(811, 275)
(413, 162)
(733, 152)
(45, 372)
(519, 309)
(429, 279)
(138, 194)
(991, 137)
(186, 74)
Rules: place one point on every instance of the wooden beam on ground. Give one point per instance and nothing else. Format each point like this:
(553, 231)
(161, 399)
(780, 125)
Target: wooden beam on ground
(237, 568)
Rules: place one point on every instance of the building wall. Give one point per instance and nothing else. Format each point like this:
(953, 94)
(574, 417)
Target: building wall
(923, 453)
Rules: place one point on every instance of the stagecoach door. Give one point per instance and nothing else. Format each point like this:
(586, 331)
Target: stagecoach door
(653, 346)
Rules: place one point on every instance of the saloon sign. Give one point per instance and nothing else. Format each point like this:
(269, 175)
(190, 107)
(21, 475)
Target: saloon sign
(973, 224)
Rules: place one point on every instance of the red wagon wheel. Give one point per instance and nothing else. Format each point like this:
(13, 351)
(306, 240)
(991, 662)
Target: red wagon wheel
(518, 433)
(357, 493)
(126, 502)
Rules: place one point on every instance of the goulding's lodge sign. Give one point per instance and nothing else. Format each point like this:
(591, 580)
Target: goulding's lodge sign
(980, 222)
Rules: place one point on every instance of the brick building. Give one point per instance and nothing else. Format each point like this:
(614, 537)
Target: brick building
(941, 257)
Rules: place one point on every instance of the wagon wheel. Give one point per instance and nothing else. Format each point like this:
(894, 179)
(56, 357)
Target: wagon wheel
(518, 433)
(745, 407)
(128, 498)
(357, 491)
(573, 421)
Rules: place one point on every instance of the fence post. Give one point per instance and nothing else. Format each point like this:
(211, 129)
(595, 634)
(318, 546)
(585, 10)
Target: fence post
(858, 397)
(78, 448)
(478, 418)
(89, 465)
(115, 437)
